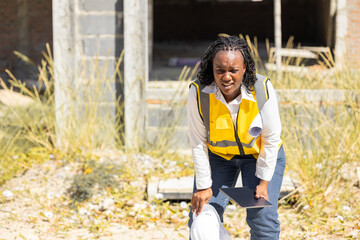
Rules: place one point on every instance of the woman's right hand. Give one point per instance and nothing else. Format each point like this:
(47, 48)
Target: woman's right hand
(199, 198)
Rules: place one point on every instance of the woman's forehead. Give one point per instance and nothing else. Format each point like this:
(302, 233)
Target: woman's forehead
(228, 55)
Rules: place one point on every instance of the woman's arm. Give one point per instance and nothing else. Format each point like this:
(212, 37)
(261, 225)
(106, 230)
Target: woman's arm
(270, 141)
(197, 136)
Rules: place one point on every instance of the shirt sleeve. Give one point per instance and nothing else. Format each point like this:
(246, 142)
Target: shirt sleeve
(197, 136)
(270, 137)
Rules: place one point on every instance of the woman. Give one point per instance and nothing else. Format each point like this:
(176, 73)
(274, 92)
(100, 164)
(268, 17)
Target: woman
(234, 126)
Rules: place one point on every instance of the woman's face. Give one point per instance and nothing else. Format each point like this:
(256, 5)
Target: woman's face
(229, 68)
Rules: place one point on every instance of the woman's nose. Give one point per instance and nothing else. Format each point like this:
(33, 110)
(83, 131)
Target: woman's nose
(227, 76)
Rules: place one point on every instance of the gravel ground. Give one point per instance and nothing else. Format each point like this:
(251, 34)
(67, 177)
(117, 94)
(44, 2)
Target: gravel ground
(35, 206)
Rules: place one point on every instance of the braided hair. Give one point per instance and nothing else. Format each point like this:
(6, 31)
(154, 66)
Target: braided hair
(231, 43)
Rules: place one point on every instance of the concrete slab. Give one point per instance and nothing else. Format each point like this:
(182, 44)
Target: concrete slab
(11, 98)
(181, 188)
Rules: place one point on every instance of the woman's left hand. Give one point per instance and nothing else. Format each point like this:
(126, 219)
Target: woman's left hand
(261, 190)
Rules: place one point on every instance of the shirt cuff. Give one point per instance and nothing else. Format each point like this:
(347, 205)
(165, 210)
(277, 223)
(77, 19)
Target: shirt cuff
(264, 173)
(203, 182)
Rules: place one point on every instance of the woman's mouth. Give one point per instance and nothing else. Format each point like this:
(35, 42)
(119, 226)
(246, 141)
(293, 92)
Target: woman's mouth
(227, 85)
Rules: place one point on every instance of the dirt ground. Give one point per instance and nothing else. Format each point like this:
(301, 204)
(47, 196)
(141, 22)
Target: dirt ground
(33, 206)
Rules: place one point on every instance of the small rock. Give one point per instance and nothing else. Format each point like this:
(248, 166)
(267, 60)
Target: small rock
(83, 211)
(340, 218)
(231, 208)
(8, 194)
(50, 195)
(48, 214)
(346, 208)
(183, 205)
(108, 204)
(159, 196)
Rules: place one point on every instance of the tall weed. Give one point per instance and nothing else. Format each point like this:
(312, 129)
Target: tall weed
(320, 107)
(94, 117)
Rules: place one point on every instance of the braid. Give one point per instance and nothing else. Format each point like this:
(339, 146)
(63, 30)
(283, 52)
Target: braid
(232, 43)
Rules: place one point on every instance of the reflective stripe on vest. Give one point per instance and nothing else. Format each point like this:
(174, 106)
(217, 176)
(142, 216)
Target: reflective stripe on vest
(235, 146)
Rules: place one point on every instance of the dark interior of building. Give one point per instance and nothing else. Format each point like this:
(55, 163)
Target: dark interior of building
(184, 28)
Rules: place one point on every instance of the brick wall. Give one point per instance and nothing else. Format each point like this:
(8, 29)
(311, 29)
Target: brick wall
(40, 27)
(37, 19)
(8, 33)
(353, 35)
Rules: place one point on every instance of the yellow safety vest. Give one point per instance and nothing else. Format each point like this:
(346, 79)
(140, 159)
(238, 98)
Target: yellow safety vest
(223, 138)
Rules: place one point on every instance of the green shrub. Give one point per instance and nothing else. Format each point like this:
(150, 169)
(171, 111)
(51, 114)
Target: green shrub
(94, 176)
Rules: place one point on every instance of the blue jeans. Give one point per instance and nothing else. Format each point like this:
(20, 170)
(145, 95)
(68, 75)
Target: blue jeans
(263, 222)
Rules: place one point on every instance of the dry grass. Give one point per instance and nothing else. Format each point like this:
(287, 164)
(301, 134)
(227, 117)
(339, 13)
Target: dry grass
(321, 139)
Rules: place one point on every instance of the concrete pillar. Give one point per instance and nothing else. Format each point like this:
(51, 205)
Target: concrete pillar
(340, 35)
(64, 61)
(88, 40)
(330, 25)
(151, 32)
(136, 70)
(277, 25)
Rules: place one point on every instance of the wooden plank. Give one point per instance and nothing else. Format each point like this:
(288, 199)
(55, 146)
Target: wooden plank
(301, 70)
(302, 53)
(317, 49)
(288, 68)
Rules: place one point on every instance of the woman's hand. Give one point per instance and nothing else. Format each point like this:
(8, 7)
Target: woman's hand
(261, 190)
(199, 198)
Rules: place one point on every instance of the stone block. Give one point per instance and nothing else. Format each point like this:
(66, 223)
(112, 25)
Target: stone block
(96, 5)
(177, 138)
(100, 67)
(108, 46)
(159, 115)
(100, 24)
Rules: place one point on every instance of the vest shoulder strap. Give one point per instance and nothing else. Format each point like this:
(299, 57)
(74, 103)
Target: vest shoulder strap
(197, 84)
(202, 100)
(261, 90)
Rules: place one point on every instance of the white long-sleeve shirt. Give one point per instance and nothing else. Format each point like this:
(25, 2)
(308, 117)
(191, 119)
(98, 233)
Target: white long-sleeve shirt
(267, 123)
